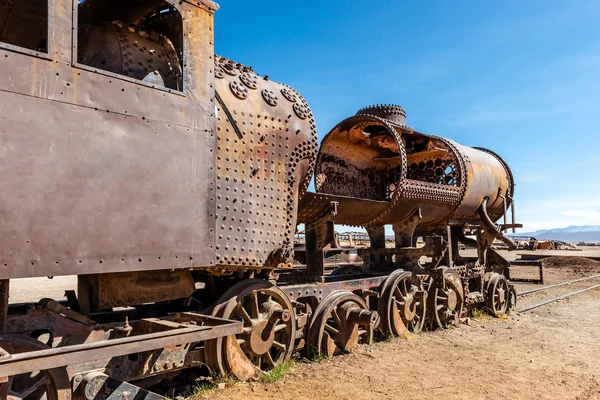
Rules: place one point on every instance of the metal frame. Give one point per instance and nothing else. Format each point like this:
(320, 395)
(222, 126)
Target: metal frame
(62, 356)
(526, 263)
(50, 38)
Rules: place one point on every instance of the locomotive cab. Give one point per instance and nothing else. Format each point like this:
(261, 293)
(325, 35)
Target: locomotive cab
(116, 131)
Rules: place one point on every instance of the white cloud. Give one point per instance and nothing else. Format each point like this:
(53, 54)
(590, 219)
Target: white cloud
(540, 210)
(588, 215)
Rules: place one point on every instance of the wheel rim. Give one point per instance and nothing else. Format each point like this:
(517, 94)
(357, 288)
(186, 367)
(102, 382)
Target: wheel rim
(340, 323)
(498, 294)
(269, 330)
(213, 348)
(446, 300)
(402, 304)
(38, 385)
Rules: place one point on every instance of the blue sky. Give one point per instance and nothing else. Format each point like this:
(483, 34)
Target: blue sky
(519, 77)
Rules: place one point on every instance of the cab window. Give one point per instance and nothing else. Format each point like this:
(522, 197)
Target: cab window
(24, 23)
(142, 40)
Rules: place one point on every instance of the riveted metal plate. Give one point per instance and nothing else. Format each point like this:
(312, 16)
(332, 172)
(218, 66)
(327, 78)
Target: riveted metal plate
(219, 73)
(289, 94)
(270, 97)
(260, 175)
(91, 158)
(249, 80)
(239, 90)
(301, 110)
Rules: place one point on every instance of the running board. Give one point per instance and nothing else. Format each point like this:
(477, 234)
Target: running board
(191, 328)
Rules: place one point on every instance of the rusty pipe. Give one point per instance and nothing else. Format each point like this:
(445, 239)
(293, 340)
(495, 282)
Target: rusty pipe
(488, 223)
(512, 211)
(504, 199)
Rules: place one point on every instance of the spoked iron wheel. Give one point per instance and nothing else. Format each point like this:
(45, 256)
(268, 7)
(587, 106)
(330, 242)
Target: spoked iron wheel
(402, 304)
(497, 294)
(340, 323)
(268, 336)
(445, 299)
(38, 385)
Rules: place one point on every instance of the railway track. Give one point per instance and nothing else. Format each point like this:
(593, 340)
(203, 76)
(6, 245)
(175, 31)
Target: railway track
(561, 297)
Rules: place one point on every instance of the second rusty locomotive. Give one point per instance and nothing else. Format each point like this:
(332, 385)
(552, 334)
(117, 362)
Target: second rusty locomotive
(171, 182)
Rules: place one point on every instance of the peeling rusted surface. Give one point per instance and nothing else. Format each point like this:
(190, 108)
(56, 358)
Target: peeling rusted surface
(130, 288)
(265, 157)
(107, 172)
(375, 156)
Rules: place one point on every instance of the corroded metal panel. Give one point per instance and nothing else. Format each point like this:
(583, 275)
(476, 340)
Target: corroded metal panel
(87, 191)
(353, 211)
(488, 176)
(266, 149)
(102, 173)
(375, 156)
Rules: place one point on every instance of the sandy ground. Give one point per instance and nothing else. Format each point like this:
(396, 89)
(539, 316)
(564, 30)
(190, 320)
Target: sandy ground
(33, 289)
(548, 353)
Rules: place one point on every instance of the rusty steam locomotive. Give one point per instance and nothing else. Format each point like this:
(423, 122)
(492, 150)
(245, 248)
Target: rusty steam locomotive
(171, 182)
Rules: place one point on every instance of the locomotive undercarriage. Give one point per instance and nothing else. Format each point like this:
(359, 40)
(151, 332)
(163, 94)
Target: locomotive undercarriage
(259, 321)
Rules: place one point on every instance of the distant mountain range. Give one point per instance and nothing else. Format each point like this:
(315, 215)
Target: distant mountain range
(585, 233)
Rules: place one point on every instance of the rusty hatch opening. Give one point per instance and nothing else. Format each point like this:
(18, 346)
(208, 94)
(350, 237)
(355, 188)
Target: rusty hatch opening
(367, 158)
(357, 159)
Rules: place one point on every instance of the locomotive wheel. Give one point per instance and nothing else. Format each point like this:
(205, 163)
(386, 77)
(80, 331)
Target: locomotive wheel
(212, 348)
(340, 323)
(48, 385)
(497, 294)
(268, 336)
(445, 299)
(402, 305)
(229, 294)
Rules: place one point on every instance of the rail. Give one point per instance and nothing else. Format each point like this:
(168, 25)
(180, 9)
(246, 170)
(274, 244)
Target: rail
(564, 296)
(558, 284)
